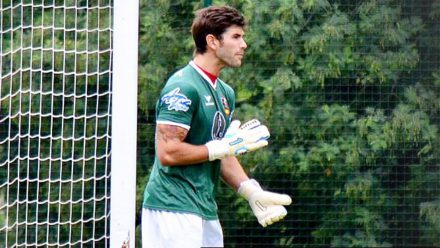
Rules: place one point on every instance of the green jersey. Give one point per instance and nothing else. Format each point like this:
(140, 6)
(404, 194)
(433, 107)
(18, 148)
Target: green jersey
(191, 101)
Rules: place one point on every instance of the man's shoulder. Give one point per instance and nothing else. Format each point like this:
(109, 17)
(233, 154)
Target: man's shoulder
(182, 83)
(185, 74)
(185, 78)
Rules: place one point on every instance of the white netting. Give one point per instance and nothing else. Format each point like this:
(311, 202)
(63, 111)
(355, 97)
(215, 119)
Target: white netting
(55, 102)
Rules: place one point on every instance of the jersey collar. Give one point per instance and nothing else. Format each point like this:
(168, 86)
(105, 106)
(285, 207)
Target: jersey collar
(203, 74)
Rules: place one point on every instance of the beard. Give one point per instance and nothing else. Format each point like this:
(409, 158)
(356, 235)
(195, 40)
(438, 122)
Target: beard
(228, 58)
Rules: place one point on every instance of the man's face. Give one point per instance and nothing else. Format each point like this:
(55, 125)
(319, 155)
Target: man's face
(232, 46)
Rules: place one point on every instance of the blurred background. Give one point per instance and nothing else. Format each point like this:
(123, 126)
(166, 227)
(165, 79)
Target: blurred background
(350, 91)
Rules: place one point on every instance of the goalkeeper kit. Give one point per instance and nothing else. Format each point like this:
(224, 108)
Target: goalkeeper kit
(268, 207)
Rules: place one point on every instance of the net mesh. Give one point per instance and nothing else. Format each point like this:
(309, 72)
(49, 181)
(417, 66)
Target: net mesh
(55, 100)
(350, 92)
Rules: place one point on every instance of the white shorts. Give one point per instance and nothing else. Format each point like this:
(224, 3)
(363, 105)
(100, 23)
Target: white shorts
(165, 229)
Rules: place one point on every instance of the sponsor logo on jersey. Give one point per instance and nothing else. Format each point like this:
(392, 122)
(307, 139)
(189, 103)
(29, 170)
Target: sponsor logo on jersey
(209, 101)
(176, 101)
(226, 106)
(218, 126)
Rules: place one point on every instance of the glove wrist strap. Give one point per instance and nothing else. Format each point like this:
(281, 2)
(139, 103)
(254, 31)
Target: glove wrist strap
(248, 188)
(216, 150)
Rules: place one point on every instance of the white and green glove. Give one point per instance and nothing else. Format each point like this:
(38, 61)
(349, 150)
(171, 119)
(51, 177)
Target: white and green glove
(267, 206)
(238, 140)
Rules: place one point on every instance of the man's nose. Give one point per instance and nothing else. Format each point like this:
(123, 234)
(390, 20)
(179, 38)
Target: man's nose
(244, 45)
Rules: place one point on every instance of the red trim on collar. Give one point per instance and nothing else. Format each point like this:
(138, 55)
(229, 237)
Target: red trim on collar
(210, 75)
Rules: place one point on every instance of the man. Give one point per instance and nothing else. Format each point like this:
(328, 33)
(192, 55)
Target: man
(197, 141)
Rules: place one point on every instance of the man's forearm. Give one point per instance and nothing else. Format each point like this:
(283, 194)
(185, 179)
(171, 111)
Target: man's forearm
(232, 172)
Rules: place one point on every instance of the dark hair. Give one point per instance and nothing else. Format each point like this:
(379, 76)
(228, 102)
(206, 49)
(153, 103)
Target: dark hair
(214, 20)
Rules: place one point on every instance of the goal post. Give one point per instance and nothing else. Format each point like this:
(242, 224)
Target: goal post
(124, 123)
(68, 92)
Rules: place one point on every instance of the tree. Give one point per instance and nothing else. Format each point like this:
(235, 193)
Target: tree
(354, 137)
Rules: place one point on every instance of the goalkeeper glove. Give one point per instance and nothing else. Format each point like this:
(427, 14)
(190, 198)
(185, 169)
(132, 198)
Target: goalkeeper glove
(238, 140)
(267, 206)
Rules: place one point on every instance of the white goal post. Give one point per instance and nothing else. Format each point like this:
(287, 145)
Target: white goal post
(124, 125)
(68, 119)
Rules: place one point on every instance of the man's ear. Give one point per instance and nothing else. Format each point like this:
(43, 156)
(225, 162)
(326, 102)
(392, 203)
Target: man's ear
(212, 42)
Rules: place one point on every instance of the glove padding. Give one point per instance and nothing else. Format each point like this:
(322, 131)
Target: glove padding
(239, 140)
(267, 206)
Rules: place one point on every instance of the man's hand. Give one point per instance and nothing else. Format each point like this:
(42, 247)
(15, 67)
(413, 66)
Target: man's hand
(238, 140)
(267, 206)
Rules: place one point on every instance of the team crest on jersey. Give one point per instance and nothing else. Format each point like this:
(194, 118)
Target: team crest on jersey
(226, 106)
(218, 126)
(176, 101)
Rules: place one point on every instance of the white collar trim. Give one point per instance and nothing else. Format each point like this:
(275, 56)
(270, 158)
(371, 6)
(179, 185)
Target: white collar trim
(203, 74)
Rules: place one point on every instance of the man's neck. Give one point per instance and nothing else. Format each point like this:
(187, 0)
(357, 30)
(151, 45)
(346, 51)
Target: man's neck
(208, 63)
(212, 77)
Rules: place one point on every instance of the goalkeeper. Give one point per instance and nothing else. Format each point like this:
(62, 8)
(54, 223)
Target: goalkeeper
(197, 143)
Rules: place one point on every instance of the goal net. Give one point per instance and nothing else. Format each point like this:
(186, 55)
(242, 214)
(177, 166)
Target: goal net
(55, 122)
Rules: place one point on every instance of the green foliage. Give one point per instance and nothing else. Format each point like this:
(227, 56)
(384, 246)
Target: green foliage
(353, 118)
(2, 211)
(430, 213)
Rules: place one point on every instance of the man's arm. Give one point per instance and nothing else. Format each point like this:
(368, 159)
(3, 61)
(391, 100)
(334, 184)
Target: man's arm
(172, 150)
(267, 206)
(232, 172)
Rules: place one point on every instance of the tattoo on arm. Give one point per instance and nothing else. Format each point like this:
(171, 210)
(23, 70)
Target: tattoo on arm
(169, 133)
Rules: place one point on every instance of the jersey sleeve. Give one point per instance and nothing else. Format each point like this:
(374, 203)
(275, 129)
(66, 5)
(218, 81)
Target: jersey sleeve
(176, 105)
